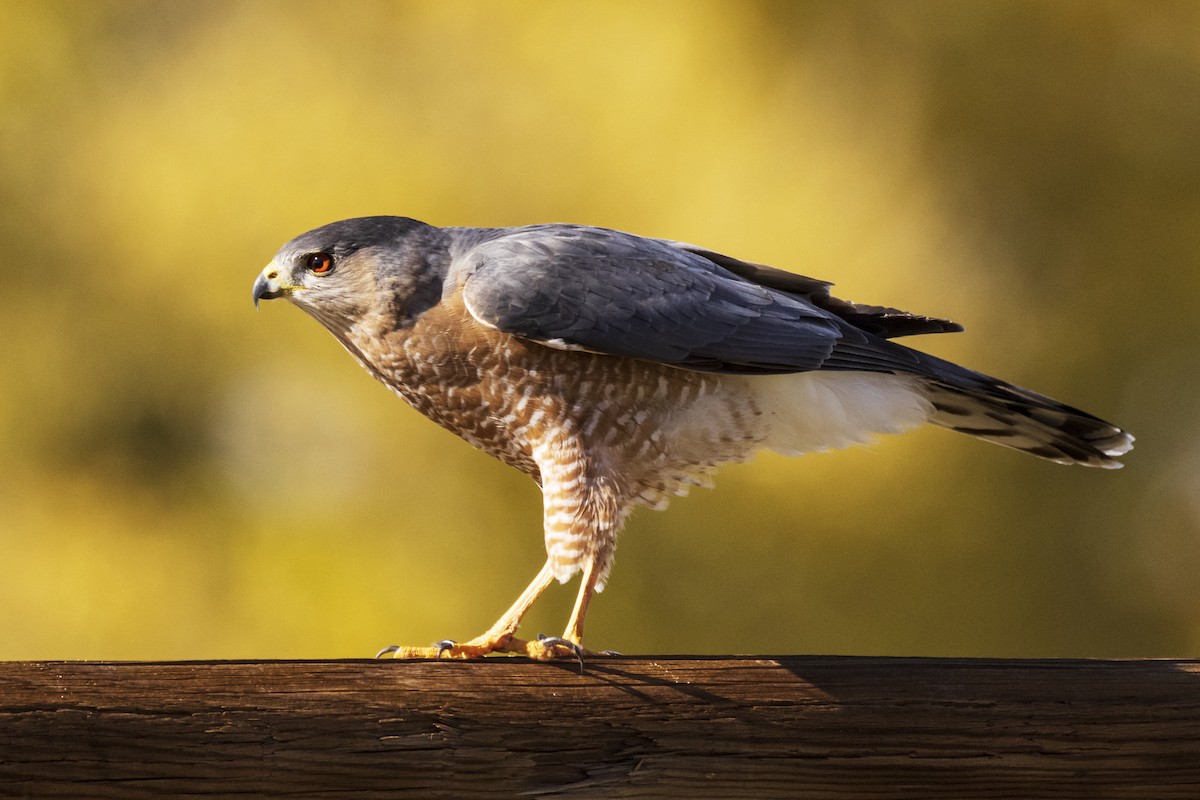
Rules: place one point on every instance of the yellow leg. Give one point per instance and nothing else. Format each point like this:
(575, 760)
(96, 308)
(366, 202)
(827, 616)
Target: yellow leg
(500, 638)
(570, 644)
(587, 588)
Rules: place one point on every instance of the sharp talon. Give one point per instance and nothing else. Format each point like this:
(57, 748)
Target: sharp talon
(578, 655)
(609, 653)
(391, 648)
(444, 645)
(551, 641)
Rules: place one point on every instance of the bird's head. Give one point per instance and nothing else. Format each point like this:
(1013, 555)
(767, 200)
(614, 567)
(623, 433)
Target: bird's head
(345, 271)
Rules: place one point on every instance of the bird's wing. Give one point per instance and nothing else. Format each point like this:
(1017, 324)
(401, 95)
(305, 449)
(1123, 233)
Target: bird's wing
(879, 320)
(609, 292)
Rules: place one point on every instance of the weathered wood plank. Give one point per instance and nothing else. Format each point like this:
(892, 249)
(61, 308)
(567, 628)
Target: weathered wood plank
(759, 727)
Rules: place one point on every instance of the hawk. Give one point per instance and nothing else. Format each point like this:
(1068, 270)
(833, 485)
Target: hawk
(618, 371)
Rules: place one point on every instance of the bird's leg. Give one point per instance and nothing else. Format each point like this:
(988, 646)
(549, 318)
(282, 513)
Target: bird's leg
(498, 639)
(587, 588)
(569, 645)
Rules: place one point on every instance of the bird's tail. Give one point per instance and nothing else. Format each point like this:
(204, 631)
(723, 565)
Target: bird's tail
(980, 405)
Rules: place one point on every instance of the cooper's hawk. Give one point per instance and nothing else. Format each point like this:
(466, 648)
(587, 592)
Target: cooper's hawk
(618, 371)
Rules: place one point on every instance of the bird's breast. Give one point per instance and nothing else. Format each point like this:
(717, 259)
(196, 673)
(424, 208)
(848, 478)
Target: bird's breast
(657, 429)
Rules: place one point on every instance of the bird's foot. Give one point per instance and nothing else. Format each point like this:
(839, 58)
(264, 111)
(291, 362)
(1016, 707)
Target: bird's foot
(448, 648)
(550, 648)
(543, 648)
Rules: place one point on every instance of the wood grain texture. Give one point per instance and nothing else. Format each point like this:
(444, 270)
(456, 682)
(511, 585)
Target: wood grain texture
(747, 727)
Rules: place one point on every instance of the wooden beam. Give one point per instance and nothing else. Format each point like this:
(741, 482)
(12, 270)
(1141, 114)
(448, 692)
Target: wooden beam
(748, 727)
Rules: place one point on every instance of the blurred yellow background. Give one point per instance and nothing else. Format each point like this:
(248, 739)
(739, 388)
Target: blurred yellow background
(184, 478)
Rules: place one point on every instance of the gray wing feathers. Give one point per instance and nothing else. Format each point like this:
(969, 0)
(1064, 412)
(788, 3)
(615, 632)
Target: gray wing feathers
(641, 298)
(880, 321)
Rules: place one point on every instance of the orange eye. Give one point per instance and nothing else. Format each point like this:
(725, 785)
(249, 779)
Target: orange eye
(319, 263)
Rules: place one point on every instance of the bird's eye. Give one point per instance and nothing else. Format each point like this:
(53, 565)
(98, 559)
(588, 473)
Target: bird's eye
(319, 263)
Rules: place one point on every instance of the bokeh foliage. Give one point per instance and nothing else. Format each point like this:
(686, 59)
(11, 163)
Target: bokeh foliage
(184, 478)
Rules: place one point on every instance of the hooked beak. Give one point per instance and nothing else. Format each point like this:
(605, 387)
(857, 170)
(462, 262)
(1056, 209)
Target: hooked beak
(267, 287)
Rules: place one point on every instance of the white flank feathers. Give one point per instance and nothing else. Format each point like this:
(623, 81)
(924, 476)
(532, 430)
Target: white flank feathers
(812, 411)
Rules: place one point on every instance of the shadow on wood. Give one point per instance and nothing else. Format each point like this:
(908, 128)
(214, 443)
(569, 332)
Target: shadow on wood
(795, 727)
